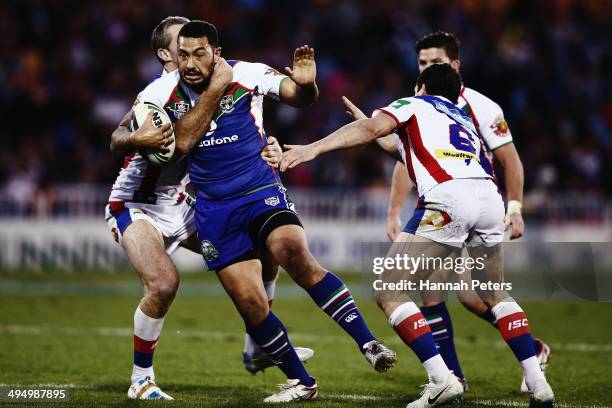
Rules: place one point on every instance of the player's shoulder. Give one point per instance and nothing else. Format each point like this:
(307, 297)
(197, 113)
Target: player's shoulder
(480, 103)
(161, 87)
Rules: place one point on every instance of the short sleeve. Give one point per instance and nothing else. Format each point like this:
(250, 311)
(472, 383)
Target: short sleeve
(271, 81)
(493, 126)
(400, 110)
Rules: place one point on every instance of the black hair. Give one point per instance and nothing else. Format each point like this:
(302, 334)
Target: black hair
(160, 38)
(440, 39)
(199, 29)
(441, 80)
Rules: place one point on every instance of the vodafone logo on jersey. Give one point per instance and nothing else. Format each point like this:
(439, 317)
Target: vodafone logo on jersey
(209, 140)
(213, 141)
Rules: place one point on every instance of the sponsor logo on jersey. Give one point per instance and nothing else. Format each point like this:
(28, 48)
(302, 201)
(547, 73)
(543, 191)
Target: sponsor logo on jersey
(214, 141)
(500, 126)
(272, 201)
(209, 252)
(454, 154)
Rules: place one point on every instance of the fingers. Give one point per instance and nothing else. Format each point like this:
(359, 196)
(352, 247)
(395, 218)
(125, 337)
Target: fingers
(272, 140)
(290, 147)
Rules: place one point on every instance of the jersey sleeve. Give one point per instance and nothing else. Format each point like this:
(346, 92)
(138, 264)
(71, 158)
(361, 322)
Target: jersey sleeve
(493, 126)
(270, 81)
(400, 110)
(152, 94)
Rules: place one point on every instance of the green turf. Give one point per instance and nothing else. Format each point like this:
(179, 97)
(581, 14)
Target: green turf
(76, 330)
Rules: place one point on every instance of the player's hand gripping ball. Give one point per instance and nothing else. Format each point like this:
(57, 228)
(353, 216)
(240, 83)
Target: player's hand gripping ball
(159, 118)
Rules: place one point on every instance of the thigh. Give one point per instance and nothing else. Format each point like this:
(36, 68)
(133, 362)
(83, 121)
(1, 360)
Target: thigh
(222, 234)
(146, 252)
(417, 259)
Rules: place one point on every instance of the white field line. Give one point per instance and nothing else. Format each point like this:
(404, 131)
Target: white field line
(350, 397)
(218, 335)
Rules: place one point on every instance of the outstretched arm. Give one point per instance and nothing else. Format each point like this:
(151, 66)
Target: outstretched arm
(387, 143)
(300, 89)
(354, 134)
(195, 123)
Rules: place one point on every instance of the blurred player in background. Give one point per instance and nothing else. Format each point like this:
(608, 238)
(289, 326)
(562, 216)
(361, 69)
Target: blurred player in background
(440, 146)
(150, 213)
(496, 141)
(241, 208)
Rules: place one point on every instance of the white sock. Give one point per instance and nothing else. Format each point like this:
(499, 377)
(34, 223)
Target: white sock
(436, 368)
(270, 287)
(147, 329)
(532, 371)
(250, 347)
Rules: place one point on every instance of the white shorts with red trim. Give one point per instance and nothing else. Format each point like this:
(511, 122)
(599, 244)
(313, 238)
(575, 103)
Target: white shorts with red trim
(175, 222)
(460, 212)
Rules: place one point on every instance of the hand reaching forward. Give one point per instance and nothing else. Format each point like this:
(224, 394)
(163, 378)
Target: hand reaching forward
(296, 154)
(304, 70)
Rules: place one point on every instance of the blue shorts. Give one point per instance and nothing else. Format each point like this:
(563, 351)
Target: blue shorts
(225, 227)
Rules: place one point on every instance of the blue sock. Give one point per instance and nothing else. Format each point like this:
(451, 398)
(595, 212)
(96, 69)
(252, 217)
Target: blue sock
(442, 330)
(334, 298)
(490, 317)
(271, 336)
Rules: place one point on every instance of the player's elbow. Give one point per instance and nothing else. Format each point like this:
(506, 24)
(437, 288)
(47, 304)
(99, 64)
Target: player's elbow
(182, 146)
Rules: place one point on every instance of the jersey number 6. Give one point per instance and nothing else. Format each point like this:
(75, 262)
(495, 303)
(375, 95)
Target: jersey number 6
(461, 138)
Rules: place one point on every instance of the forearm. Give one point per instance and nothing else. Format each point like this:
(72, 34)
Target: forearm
(120, 139)
(513, 173)
(195, 123)
(354, 134)
(400, 188)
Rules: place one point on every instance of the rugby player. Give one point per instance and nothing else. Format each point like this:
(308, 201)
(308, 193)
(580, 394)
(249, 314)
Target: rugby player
(496, 141)
(440, 146)
(150, 212)
(241, 207)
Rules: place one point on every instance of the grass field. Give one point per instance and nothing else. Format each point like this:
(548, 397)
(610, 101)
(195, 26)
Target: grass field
(75, 330)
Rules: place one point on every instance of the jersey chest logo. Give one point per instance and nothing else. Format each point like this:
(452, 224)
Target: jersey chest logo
(178, 103)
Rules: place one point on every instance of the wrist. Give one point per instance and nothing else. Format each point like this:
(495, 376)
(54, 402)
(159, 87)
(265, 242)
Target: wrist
(514, 207)
(392, 214)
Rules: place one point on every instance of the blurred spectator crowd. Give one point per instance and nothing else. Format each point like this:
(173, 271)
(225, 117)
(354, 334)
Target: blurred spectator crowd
(70, 71)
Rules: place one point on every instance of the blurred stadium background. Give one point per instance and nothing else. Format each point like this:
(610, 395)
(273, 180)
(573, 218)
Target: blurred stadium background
(70, 70)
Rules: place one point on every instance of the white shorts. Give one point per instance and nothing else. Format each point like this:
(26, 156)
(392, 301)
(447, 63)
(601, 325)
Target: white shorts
(458, 212)
(175, 222)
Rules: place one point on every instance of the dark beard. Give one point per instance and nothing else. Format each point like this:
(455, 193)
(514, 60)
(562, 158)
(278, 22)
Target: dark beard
(202, 86)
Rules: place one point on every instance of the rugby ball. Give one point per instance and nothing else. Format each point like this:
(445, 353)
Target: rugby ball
(159, 118)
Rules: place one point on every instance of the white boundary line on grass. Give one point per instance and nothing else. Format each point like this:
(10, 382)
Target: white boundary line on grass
(218, 335)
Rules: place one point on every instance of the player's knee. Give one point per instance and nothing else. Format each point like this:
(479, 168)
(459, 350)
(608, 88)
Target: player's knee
(300, 263)
(164, 289)
(252, 307)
